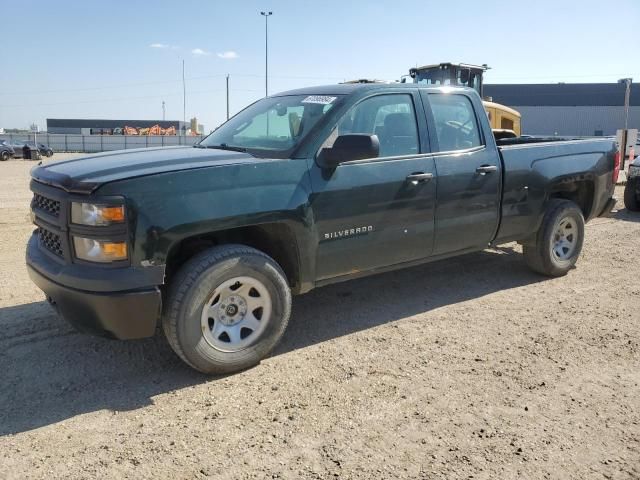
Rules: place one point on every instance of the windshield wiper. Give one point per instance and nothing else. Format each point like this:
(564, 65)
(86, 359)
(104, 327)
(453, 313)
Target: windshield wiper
(223, 146)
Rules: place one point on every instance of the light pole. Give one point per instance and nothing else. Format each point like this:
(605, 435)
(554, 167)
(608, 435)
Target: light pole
(266, 16)
(184, 99)
(627, 94)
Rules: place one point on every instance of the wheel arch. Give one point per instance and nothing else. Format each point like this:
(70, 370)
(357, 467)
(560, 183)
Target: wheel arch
(580, 190)
(277, 239)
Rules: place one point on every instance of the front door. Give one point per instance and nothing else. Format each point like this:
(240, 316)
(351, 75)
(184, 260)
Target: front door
(377, 212)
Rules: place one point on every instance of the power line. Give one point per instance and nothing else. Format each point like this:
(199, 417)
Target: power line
(118, 99)
(164, 82)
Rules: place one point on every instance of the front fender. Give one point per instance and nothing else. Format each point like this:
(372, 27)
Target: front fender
(165, 209)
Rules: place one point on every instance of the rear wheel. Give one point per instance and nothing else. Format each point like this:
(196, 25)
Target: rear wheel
(4, 156)
(631, 200)
(227, 308)
(558, 241)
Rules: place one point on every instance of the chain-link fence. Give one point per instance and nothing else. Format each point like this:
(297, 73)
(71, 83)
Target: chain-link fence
(100, 143)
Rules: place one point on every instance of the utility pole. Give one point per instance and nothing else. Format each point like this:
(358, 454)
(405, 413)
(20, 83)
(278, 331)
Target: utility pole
(266, 16)
(627, 95)
(163, 111)
(227, 96)
(184, 98)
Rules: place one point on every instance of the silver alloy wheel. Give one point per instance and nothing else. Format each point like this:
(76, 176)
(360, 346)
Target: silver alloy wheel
(565, 239)
(236, 314)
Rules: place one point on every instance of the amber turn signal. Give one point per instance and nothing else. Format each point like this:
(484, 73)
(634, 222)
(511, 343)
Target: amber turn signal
(100, 251)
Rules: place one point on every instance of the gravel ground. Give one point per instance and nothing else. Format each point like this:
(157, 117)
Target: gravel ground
(467, 368)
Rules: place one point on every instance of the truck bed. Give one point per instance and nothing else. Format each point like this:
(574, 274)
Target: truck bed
(528, 140)
(535, 169)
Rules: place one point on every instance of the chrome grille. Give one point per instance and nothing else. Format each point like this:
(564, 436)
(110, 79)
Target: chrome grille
(47, 205)
(51, 241)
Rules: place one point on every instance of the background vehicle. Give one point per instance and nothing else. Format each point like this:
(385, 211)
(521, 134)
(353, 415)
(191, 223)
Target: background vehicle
(18, 148)
(6, 151)
(466, 75)
(43, 149)
(632, 188)
(300, 190)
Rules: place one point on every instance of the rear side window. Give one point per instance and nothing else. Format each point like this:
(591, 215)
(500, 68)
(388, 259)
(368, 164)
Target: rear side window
(455, 119)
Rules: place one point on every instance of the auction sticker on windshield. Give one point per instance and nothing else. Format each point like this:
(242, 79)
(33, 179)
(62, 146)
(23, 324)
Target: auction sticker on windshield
(321, 99)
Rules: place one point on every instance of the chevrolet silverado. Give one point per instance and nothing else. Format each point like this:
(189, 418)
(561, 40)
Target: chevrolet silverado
(299, 190)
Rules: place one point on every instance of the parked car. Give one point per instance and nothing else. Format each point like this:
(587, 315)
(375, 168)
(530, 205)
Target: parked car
(6, 150)
(632, 188)
(300, 190)
(18, 148)
(43, 149)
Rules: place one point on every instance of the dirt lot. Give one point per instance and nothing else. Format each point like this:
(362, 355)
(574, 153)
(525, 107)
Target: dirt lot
(467, 368)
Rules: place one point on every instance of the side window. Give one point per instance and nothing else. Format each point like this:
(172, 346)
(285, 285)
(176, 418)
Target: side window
(391, 117)
(456, 124)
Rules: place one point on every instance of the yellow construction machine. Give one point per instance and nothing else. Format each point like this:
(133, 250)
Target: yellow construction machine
(505, 121)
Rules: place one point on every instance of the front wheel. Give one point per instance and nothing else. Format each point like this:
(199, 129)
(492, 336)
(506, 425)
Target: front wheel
(227, 307)
(558, 241)
(631, 200)
(4, 156)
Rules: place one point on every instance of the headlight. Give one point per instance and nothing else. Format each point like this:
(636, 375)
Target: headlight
(634, 171)
(96, 215)
(99, 250)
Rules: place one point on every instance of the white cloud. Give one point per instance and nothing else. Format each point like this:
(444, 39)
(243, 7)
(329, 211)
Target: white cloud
(159, 45)
(228, 55)
(199, 51)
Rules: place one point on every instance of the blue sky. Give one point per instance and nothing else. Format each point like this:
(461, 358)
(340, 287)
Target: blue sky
(120, 59)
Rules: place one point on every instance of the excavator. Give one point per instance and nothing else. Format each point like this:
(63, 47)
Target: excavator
(505, 121)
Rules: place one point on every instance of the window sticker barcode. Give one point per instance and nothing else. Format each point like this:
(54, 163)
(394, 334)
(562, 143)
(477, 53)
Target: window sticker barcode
(320, 99)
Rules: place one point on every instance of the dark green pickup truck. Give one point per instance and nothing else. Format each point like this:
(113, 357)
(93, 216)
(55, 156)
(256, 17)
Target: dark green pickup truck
(299, 190)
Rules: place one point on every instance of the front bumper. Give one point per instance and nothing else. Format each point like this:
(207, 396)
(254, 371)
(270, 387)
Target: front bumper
(110, 309)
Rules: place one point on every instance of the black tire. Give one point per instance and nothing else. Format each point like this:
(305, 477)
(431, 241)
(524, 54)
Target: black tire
(192, 288)
(4, 156)
(540, 257)
(631, 200)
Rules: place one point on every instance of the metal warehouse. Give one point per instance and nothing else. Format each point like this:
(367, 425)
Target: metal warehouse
(108, 127)
(582, 109)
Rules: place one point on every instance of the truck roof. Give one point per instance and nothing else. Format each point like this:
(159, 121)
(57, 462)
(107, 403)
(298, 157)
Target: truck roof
(347, 88)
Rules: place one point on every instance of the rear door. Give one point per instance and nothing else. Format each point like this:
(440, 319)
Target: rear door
(376, 212)
(469, 172)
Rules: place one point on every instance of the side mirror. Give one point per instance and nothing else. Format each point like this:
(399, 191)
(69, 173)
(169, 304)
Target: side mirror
(349, 147)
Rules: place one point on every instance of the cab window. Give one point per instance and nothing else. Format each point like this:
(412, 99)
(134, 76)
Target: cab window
(391, 117)
(455, 122)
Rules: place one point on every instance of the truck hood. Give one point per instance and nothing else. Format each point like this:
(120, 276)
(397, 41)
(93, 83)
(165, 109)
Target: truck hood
(85, 174)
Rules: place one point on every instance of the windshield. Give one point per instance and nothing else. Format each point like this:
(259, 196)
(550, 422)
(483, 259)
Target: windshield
(433, 76)
(272, 127)
(464, 77)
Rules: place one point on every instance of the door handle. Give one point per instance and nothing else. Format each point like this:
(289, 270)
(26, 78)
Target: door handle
(418, 177)
(484, 169)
